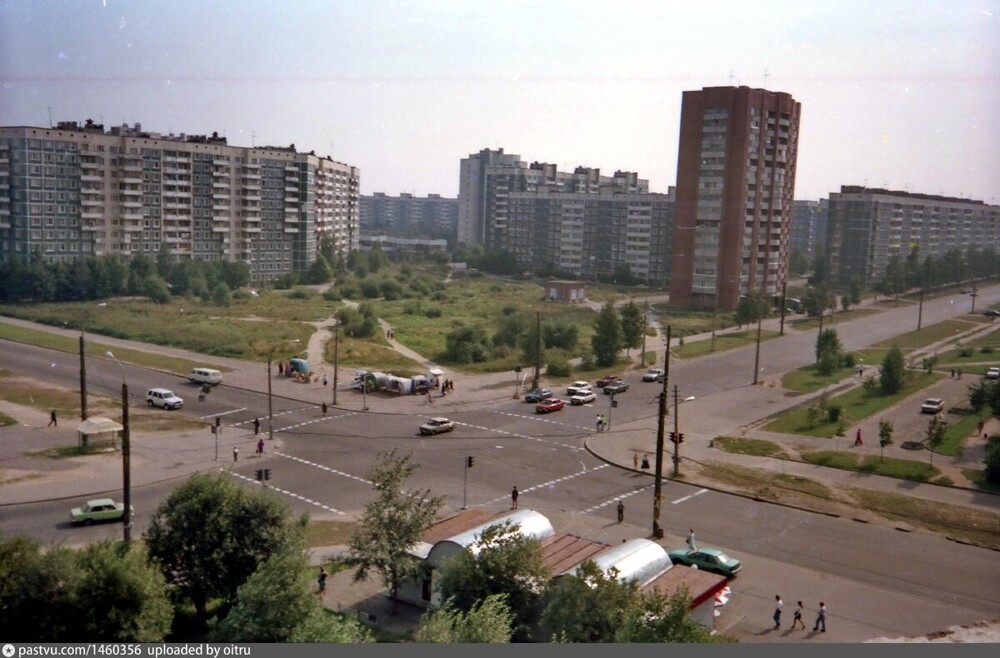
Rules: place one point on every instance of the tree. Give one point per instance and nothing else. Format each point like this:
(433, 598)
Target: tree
(751, 308)
(633, 325)
(828, 341)
(320, 271)
(561, 334)
(607, 338)
(327, 626)
(854, 290)
(507, 563)
(935, 435)
(221, 295)
(210, 535)
(992, 461)
(885, 430)
(588, 606)
(817, 299)
(392, 524)
(489, 621)
(892, 374)
(156, 289)
(657, 618)
(466, 344)
(37, 592)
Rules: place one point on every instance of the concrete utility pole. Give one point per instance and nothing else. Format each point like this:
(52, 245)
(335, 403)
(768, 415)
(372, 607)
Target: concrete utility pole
(336, 359)
(645, 315)
(677, 436)
(538, 348)
(126, 457)
(784, 287)
(756, 358)
(661, 421)
(920, 310)
(83, 380)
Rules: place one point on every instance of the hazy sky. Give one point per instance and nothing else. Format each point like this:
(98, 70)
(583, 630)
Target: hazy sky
(904, 94)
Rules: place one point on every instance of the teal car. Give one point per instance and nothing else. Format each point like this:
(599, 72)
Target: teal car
(99, 509)
(707, 559)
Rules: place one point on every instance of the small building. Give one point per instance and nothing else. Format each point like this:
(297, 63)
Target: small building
(565, 291)
(98, 429)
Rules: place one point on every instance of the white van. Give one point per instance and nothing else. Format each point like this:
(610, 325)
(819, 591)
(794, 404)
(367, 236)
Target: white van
(205, 376)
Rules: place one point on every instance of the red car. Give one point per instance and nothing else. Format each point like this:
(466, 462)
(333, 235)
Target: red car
(607, 379)
(550, 405)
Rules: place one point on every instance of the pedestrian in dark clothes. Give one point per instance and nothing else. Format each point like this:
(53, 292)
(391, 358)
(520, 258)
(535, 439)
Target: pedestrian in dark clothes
(256, 426)
(820, 618)
(778, 605)
(645, 462)
(513, 498)
(324, 408)
(321, 581)
(621, 511)
(260, 447)
(52, 419)
(797, 616)
(236, 454)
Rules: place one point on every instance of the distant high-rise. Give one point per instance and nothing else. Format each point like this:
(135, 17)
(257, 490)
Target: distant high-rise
(807, 232)
(408, 216)
(472, 210)
(735, 186)
(74, 191)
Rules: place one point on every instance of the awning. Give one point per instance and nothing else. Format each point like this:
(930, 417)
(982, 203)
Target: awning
(98, 425)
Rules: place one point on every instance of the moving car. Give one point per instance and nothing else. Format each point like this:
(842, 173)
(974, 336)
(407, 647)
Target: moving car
(619, 386)
(582, 398)
(993, 373)
(163, 398)
(436, 426)
(991, 313)
(549, 405)
(538, 395)
(99, 509)
(205, 376)
(707, 559)
(578, 387)
(653, 375)
(606, 379)
(932, 406)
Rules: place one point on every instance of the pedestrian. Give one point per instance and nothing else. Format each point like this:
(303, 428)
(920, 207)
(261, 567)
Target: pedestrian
(281, 368)
(778, 605)
(797, 616)
(256, 426)
(430, 398)
(604, 423)
(599, 422)
(321, 581)
(236, 454)
(324, 380)
(861, 371)
(52, 419)
(857, 439)
(451, 385)
(645, 462)
(260, 447)
(690, 540)
(820, 618)
(953, 373)
(324, 408)
(635, 461)
(621, 511)
(513, 498)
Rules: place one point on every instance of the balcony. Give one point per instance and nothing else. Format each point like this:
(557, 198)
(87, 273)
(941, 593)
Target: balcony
(221, 197)
(89, 178)
(220, 186)
(92, 214)
(133, 204)
(291, 168)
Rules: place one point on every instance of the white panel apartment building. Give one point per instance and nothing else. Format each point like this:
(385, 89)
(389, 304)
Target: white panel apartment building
(74, 191)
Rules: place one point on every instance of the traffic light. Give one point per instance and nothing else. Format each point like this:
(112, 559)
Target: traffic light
(673, 437)
(469, 462)
(218, 421)
(680, 438)
(267, 474)
(260, 474)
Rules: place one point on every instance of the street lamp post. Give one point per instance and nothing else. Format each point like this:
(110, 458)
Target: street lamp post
(336, 359)
(756, 358)
(83, 379)
(517, 382)
(126, 457)
(270, 402)
(661, 421)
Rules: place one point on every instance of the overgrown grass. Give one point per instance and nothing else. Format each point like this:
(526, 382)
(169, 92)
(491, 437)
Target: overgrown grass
(856, 404)
(373, 353)
(978, 478)
(927, 335)
(329, 533)
(807, 378)
(972, 352)
(755, 447)
(904, 469)
(957, 432)
(723, 342)
(687, 322)
(832, 321)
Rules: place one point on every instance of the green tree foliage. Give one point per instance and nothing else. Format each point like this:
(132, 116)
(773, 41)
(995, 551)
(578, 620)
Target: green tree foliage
(510, 327)
(221, 295)
(935, 435)
(506, 563)
(817, 299)
(893, 371)
(607, 338)
(992, 461)
(560, 334)
(156, 289)
(392, 524)
(357, 322)
(488, 621)
(588, 606)
(658, 618)
(532, 347)
(633, 325)
(466, 344)
(37, 592)
(854, 290)
(885, 430)
(320, 271)
(751, 308)
(391, 289)
(211, 534)
(327, 626)
(376, 259)
(828, 342)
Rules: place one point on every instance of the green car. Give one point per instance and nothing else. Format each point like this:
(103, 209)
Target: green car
(707, 559)
(99, 509)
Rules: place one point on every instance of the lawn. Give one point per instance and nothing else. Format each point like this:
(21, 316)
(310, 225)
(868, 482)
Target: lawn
(831, 321)
(904, 469)
(687, 322)
(856, 403)
(968, 355)
(754, 447)
(958, 432)
(807, 379)
(723, 342)
(928, 335)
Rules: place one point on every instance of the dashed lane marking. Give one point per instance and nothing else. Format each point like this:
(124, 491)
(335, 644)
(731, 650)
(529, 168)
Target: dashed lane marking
(617, 498)
(696, 493)
(290, 494)
(585, 471)
(325, 468)
(544, 418)
(521, 436)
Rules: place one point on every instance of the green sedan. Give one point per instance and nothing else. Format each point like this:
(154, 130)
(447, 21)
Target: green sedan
(708, 559)
(99, 509)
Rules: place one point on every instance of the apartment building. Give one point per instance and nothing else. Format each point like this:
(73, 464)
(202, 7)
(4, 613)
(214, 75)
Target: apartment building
(79, 190)
(807, 232)
(735, 187)
(867, 226)
(409, 216)
(475, 172)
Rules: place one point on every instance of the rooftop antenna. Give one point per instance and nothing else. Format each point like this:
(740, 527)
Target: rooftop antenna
(50, 116)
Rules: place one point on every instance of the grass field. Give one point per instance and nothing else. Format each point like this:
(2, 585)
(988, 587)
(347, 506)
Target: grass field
(723, 342)
(804, 323)
(904, 469)
(928, 335)
(806, 379)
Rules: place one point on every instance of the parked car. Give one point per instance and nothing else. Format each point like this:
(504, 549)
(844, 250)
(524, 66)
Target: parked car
(653, 375)
(606, 379)
(932, 406)
(436, 426)
(578, 387)
(991, 313)
(707, 559)
(615, 387)
(538, 395)
(993, 373)
(99, 509)
(549, 405)
(582, 398)
(163, 398)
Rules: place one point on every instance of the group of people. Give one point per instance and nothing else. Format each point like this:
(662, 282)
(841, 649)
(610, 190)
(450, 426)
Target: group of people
(820, 624)
(447, 385)
(601, 422)
(645, 461)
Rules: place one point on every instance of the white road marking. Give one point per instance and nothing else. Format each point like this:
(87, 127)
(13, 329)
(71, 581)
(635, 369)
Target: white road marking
(585, 471)
(521, 436)
(617, 498)
(696, 493)
(289, 493)
(325, 468)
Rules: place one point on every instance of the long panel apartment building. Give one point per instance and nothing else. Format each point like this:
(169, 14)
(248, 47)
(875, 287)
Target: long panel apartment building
(868, 226)
(735, 185)
(78, 190)
(409, 216)
(580, 223)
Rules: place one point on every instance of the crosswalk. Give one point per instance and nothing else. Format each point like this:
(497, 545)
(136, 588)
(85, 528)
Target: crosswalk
(290, 494)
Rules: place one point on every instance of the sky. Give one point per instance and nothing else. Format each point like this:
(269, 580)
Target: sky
(903, 94)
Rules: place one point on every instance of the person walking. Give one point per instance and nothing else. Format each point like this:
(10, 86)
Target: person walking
(820, 618)
(260, 447)
(635, 461)
(52, 419)
(321, 581)
(621, 511)
(778, 605)
(324, 408)
(430, 398)
(324, 380)
(599, 422)
(690, 540)
(797, 616)
(236, 454)
(857, 439)
(256, 426)
(645, 462)
(513, 498)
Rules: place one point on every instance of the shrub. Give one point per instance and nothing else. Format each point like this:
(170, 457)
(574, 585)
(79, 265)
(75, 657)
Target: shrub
(433, 312)
(986, 349)
(332, 295)
(439, 296)
(370, 289)
(557, 364)
(849, 360)
(349, 291)
(965, 351)
(508, 309)
(587, 361)
(411, 308)
(300, 293)
(833, 413)
(242, 294)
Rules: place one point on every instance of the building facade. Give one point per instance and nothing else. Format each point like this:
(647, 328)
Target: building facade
(807, 233)
(406, 216)
(576, 223)
(868, 226)
(735, 186)
(73, 191)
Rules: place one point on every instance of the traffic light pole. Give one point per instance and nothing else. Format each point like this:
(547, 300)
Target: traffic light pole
(677, 436)
(661, 421)
(465, 483)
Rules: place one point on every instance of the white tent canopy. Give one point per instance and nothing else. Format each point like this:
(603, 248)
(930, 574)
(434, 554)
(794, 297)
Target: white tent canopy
(97, 426)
